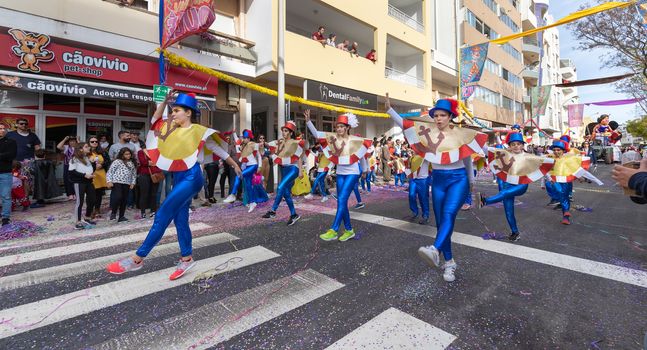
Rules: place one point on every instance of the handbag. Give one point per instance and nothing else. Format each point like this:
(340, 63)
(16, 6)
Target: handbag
(156, 177)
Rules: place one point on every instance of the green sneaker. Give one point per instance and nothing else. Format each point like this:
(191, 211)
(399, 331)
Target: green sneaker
(348, 234)
(330, 235)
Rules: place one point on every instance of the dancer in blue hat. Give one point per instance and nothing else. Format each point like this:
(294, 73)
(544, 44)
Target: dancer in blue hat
(177, 145)
(449, 149)
(508, 191)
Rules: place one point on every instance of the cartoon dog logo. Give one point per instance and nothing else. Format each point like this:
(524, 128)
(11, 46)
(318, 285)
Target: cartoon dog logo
(31, 50)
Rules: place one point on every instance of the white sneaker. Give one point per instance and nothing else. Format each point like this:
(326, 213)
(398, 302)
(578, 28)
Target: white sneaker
(430, 255)
(450, 268)
(230, 199)
(324, 199)
(308, 196)
(251, 207)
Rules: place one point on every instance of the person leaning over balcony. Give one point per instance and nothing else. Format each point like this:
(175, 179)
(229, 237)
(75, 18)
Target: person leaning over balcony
(319, 35)
(331, 40)
(354, 49)
(343, 45)
(371, 56)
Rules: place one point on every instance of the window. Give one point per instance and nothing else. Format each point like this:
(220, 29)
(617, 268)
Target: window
(133, 109)
(506, 103)
(480, 26)
(18, 99)
(515, 80)
(493, 67)
(509, 22)
(488, 96)
(514, 3)
(490, 4)
(512, 51)
(97, 106)
(61, 103)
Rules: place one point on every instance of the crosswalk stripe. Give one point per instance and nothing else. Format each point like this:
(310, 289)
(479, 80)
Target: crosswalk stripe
(394, 329)
(70, 236)
(45, 312)
(590, 267)
(217, 322)
(84, 247)
(78, 268)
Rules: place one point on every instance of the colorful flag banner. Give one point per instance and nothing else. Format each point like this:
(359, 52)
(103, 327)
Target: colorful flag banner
(472, 63)
(183, 18)
(541, 9)
(570, 18)
(641, 6)
(575, 115)
(616, 102)
(468, 91)
(539, 96)
(596, 81)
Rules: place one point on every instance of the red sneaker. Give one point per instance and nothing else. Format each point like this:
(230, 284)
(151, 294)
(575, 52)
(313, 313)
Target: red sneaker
(181, 269)
(568, 213)
(124, 265)
(566, 220)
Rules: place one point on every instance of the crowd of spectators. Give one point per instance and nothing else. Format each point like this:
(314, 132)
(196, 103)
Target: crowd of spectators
(345, 45)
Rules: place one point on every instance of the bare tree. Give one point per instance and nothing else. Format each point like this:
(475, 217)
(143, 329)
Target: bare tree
(621, 32)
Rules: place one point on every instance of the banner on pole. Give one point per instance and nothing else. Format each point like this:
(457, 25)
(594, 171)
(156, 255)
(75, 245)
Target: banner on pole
(575, 115)
(183, 18)
(467, 91)
(539, 96)
(472, 62)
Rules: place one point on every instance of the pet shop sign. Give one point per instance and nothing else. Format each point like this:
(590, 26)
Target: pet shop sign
(36, 53)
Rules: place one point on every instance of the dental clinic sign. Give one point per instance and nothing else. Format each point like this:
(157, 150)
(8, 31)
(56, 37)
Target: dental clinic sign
(39, 53)
(333, 94)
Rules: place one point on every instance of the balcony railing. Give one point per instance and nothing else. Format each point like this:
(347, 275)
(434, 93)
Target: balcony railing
(406, 19)
(394, 74)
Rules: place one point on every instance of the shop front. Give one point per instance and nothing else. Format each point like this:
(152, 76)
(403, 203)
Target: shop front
(67, 89)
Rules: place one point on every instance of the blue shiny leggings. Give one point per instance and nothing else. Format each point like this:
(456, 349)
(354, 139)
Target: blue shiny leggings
(448, 192)
(289, 173)
(356, 192)
(419, 188)
(399, 177)
(507, 195)
(560, 191)
(320, 183)
(248, 174)
(345, 185)
(175, 206)
(366, 183)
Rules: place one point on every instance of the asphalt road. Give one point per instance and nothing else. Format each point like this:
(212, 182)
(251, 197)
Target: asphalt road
(262, 285)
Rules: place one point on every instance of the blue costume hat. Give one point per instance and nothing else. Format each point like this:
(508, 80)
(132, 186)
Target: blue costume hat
(516, 126)
(558, 144)
(247, 134)
(188, 101)
(514, 136)
(448, 105)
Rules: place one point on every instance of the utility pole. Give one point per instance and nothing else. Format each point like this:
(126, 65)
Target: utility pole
(281, 68)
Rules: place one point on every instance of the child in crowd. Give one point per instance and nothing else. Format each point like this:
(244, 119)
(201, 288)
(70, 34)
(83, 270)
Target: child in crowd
(121, 178)
(18, 194)
(81, 174)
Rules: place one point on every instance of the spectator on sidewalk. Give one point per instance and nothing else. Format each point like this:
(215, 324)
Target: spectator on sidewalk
(124, 141)
(8, 151)
(343, 45)
(67, 146)
(121, 178)
(104, 143)
(331, 40)
(101, 162)
(18, 195)
(371, 56)
(319, 35)
(81, 173)
(26, 141)
(136, 142)
(148, 187)
(385, 158)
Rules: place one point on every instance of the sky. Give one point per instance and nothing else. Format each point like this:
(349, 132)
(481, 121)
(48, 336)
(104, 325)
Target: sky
(588, 65)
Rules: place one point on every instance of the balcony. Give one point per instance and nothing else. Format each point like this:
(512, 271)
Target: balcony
(528, 17)
(530, 75)
(402, 77)
(404, 63)
(530, 49)
(567, 69)
(408, 12)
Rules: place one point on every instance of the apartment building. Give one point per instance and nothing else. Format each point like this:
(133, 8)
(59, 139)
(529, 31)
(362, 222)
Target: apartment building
(498, 98)
(397, 29)
(103, 65)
